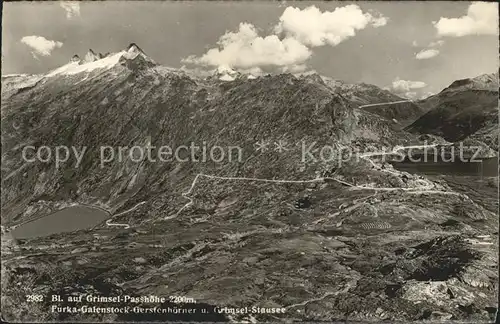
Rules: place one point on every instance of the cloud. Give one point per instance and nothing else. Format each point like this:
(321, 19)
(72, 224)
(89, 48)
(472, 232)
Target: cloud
(72, 8)
(405, 86)
(414, 43)
(245, 49)
(298, 68)
(313, 28)
(426, 95)
(41, 45)
(409, 95)
(481, 19)
(379, 21)
(436, 43)
(289, 45)
(426, 54)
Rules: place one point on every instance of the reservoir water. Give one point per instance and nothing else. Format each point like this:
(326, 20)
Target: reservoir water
(65, 220)
(83, 217)
(487, 167)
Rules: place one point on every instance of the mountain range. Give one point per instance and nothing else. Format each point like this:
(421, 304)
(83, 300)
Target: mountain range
(465, 107)
(356, 240)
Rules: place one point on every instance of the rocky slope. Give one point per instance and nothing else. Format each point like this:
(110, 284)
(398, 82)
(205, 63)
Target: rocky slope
(14, 83)
(488, 134)
(126, 100)
(461, 109)
(325, 241)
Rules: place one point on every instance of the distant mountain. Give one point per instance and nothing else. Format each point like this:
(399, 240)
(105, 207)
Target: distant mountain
(328, 235)
(461, 109)
(90, 57)
(127, 98)
(361, 93)
(482, 82)
(13, 83)
(378, 101)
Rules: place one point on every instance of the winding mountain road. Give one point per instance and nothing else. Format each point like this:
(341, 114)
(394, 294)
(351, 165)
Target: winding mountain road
(426, 186)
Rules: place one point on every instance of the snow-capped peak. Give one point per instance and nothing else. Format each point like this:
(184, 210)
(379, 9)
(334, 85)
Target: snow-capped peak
(133, 51)
(93, 61)
(224, 69)
(90, 57)
(75, 58)
(74, 67)
(225, 73)
(134, 48)
(13, 75)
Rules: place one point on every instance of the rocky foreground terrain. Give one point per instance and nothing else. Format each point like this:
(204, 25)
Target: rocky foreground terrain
(323, 240)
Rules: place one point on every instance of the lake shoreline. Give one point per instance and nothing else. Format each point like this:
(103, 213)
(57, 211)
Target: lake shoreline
(84, 217)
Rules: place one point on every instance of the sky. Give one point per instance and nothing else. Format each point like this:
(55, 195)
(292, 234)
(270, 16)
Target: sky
(411, 48)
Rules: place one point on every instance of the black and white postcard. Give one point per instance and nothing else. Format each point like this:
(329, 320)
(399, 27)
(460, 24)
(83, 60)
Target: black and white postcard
(249, 161)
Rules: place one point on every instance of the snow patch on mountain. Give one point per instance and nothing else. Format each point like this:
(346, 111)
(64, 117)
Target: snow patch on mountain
(225, 73)
(131, 54)
(227, 77)
(11, 83)
(13, 75)
(75, 68)
(90, 57)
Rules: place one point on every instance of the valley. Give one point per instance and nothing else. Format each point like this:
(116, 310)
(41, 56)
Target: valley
(357, 240)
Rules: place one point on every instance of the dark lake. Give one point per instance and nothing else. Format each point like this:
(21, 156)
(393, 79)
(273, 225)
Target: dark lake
(64, 220)
(485, 168)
